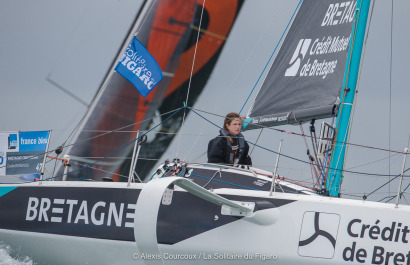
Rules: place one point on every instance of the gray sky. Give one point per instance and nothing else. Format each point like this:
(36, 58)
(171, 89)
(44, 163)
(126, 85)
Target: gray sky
(74, 42)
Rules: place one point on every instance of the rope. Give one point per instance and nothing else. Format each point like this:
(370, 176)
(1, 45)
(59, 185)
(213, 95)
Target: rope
(91, 138)
(190, 77)
(257, 139)
(390, 81)
(293, 158)
(122, 147)
(318, 138)
(396, 176)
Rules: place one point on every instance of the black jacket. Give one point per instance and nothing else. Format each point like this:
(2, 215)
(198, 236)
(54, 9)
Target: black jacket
(220, 150)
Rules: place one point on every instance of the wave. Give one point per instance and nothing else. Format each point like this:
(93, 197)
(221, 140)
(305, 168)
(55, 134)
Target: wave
(7, 259)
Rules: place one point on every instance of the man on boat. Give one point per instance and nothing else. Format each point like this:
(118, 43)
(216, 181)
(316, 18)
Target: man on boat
(230, 146)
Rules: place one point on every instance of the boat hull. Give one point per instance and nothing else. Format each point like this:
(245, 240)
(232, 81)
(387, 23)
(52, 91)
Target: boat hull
(100, 223)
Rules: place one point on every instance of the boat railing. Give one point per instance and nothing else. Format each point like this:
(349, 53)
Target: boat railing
(221, 167)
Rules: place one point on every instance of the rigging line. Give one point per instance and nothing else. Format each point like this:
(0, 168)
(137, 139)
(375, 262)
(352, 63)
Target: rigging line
(312, 169)
(297, 134)
(92, 104)
(390, 81)
(126, 126)
(387, 183)
(121, 148)
(57, 85)
(387, 197)
(376, 161)
(190, 77)
(204, 31)
(270, 58)
(293, 158)
(91, 138)
(353, 195)
(327, 151)
(198, 156)
(257, 139)
(159, 133)
(82, 158)
(402, 194)
(102, 170)
(228, 89)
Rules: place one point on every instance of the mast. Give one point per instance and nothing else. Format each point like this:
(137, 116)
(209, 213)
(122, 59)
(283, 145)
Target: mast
(347, 95)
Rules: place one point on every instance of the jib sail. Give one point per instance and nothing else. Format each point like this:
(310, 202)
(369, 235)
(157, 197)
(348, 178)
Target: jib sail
(306, 77)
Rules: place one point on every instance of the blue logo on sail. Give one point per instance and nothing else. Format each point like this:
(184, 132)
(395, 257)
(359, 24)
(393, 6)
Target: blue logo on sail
(139, 67)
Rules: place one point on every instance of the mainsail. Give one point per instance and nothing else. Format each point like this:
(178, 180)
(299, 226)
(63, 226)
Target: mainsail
(119, 105)
(169, 34)
(306, 78)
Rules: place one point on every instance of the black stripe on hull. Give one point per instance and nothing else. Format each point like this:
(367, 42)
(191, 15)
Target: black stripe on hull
(107, 213)
(71, 211)
(188, 216)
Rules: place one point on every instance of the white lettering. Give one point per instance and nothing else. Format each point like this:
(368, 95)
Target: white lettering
(131, 65)
(113, 213)
(32, 209)
(130, 215)
(27, 141)
(94, 220)
(82, 213)
(101, 213)
(337, 14)
(71, 204)
(57, 210)
(42, 140)
(42, 212)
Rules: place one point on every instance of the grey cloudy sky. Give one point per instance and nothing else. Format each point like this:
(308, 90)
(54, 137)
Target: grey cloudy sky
(74, 42)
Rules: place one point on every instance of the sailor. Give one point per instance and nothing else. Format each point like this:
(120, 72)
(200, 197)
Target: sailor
(230, 146)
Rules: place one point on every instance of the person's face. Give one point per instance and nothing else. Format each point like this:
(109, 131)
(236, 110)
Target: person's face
(235, 127)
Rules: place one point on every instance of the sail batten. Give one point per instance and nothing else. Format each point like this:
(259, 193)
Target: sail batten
(306, 77)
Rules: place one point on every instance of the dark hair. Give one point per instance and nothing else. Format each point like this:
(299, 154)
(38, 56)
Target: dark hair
(230, 117)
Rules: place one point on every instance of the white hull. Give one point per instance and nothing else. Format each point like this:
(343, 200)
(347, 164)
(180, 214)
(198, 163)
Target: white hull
(276, 232)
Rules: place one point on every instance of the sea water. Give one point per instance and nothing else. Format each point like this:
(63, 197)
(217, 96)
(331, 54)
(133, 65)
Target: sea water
(6, 259)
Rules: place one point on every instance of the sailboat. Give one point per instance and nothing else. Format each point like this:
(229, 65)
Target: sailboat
(216, 214)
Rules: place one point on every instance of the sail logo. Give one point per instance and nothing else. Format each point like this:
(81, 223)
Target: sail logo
(139, 67)
(318, 235)
(297, 57)
(339, 13)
